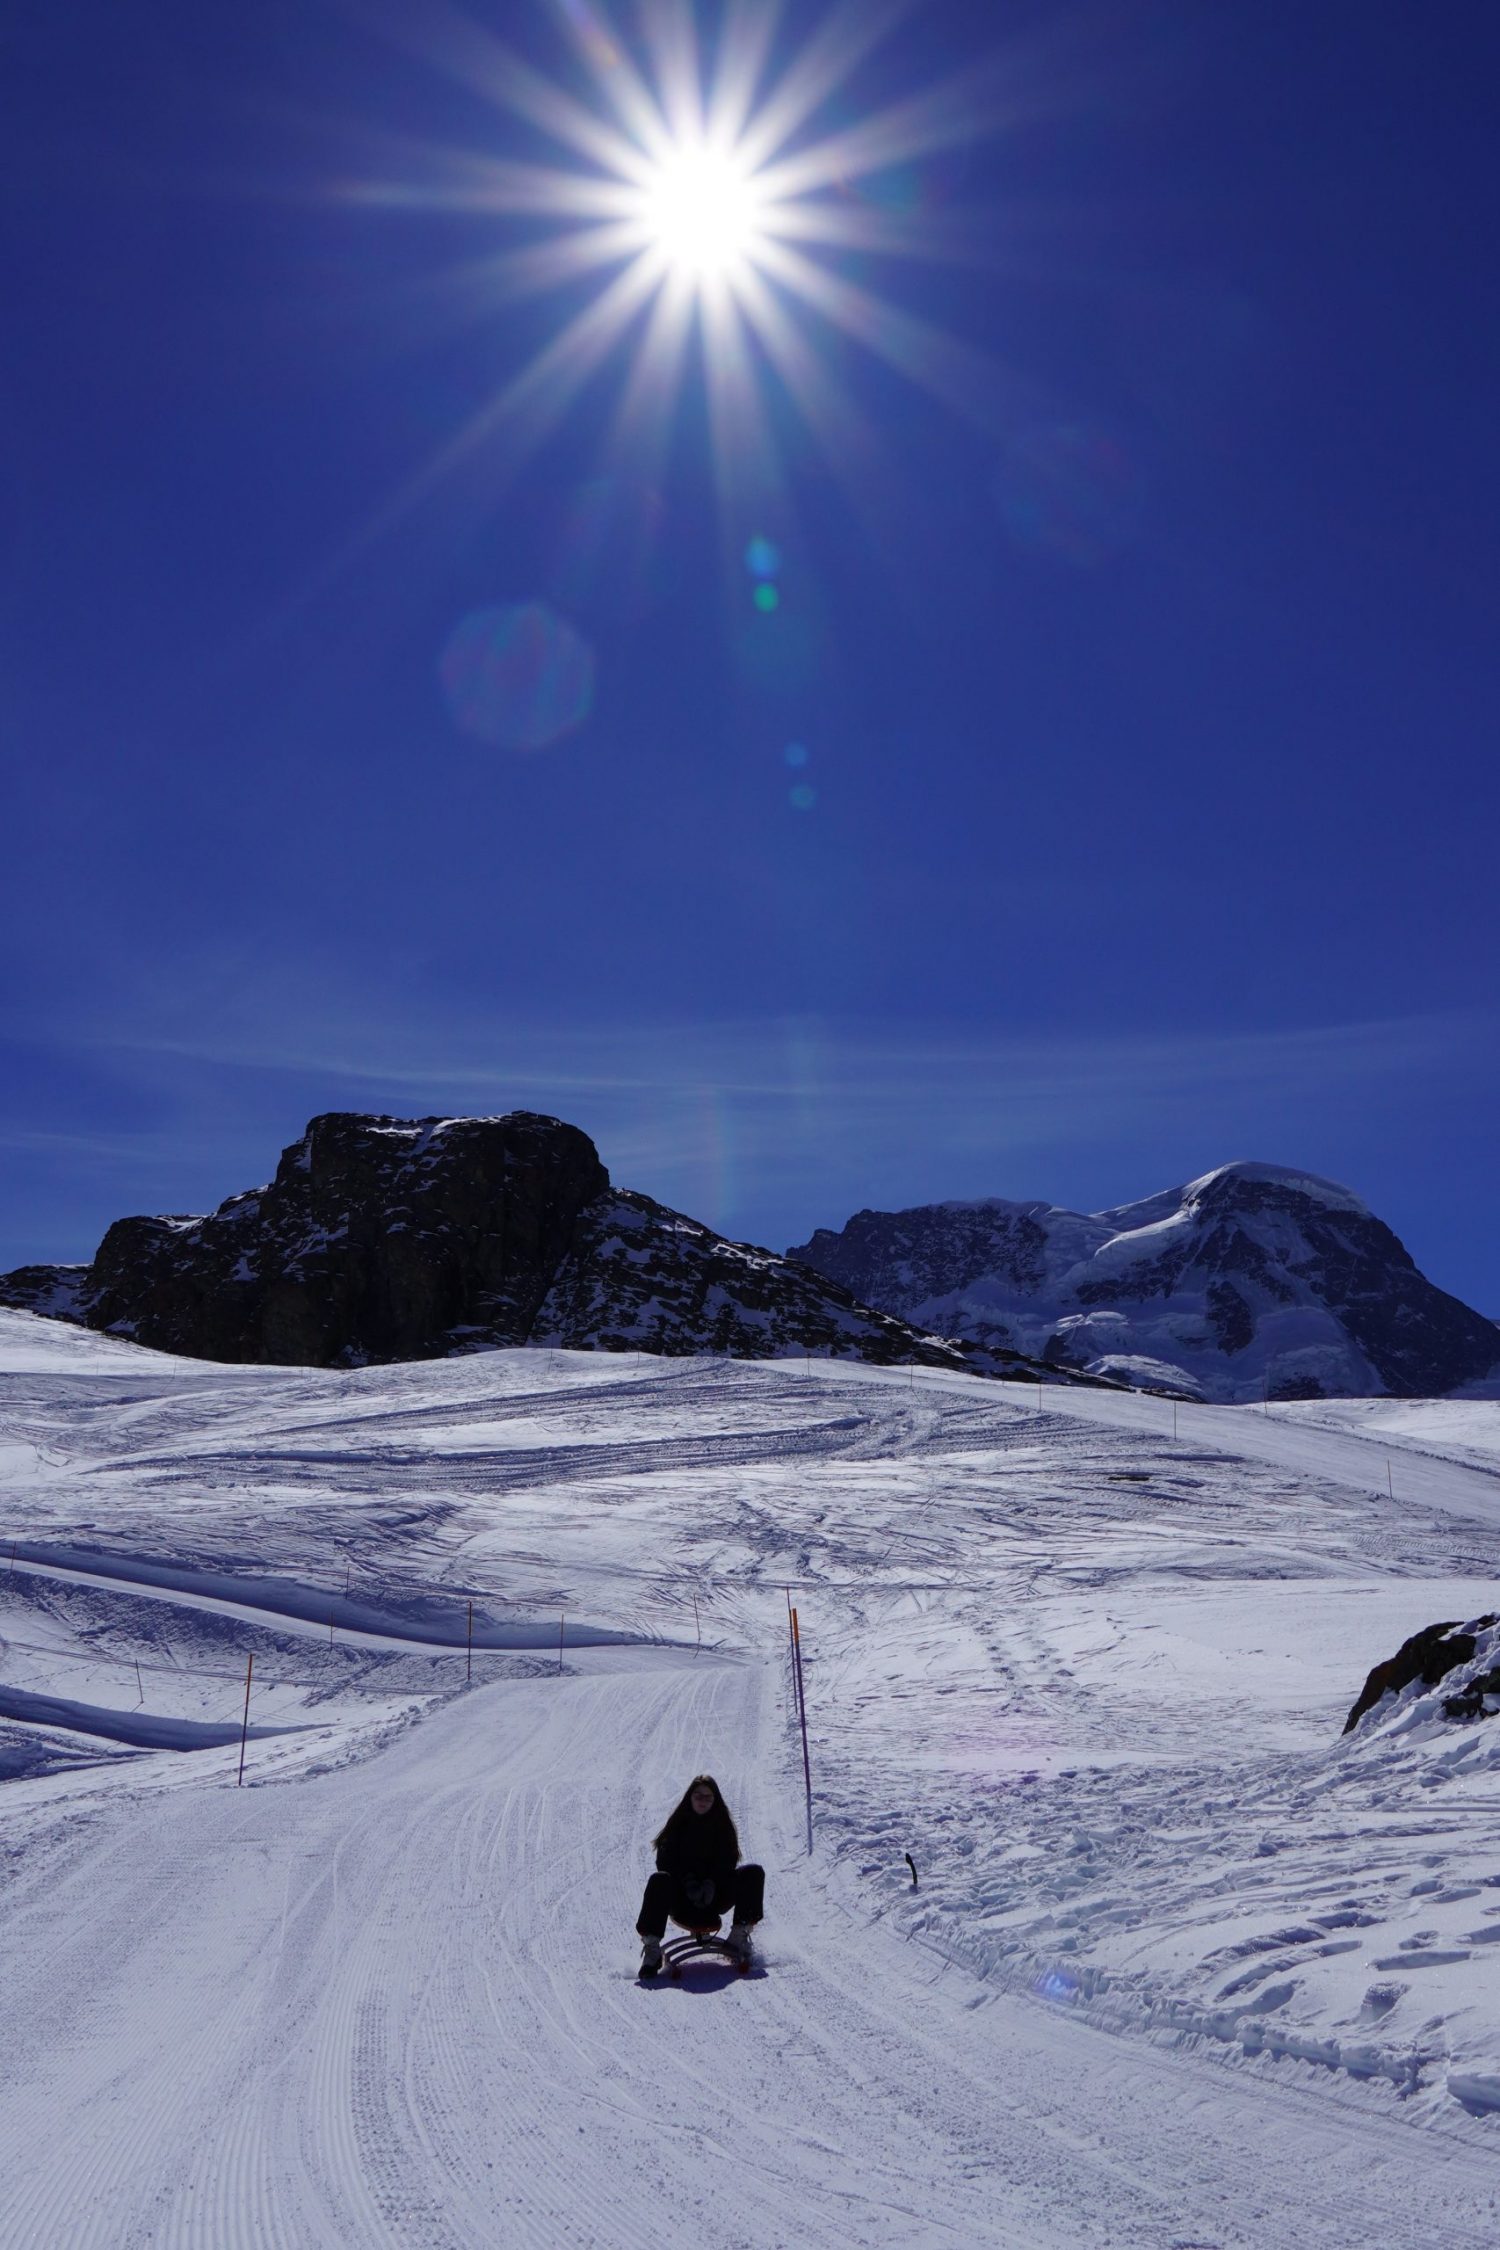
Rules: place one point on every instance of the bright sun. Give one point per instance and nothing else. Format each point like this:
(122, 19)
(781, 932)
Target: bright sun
(723, 227)
(701, 210)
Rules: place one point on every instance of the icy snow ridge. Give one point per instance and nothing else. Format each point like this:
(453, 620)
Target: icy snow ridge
(1255, 1281)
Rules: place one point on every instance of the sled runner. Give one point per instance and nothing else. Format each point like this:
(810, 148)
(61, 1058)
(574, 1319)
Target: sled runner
(702, 1943)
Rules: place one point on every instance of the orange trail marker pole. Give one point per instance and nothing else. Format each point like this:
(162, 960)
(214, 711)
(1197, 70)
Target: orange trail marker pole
(471, 1641)
(245, 1723)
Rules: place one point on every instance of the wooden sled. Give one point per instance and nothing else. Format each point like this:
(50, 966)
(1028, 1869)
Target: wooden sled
(701, 1942)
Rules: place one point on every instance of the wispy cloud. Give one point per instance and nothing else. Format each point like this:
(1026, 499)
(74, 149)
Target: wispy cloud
(769, 1126)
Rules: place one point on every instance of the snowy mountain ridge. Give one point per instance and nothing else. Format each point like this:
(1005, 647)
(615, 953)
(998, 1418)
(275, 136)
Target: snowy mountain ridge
(1254, 1280)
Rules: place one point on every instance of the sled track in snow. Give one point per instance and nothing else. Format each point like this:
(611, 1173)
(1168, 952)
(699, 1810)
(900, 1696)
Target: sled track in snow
(394, 2006)
(478, 1470)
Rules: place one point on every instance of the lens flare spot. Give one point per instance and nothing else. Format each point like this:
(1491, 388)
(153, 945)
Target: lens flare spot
(517, 676)
(804, 796)
(795, 753)
(762, 558)
(1070, 491)
(766, 598)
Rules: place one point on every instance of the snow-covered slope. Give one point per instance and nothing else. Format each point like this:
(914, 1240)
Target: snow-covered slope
(1255, 1280)
(1182, 1965)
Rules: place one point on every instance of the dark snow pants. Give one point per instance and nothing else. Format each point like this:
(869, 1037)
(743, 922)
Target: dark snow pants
(665, 1895)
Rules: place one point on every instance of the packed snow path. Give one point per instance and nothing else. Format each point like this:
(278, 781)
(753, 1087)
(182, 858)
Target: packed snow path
(1185, 1967)
(394, 2005)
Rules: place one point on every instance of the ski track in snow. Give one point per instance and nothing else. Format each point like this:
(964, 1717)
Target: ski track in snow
(421, 2029)
(384, 1994)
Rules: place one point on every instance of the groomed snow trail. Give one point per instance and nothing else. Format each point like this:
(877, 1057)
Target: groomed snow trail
(393, 2005)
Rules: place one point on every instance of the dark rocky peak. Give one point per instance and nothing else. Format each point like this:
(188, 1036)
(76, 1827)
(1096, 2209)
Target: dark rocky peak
(383, 1238)
(378, 1238)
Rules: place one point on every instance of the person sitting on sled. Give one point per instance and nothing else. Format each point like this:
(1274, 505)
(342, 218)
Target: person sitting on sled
(698, 1874)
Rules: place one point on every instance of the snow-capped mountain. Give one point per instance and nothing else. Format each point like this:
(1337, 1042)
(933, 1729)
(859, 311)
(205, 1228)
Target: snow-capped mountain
(1256, 1280)
(383, 1239)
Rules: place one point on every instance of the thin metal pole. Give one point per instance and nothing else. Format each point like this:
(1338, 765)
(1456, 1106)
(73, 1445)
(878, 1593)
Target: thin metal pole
(791, 1659)
(470, 1673)
(697, 1625)
(802, 1715)
(139, 1689)
(245, 1723)
(1389, 1484)
(562, 1621)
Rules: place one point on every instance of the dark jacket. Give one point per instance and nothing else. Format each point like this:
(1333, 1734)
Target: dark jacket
(698, 1852)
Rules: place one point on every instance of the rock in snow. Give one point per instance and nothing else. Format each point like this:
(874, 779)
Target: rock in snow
(383, 1239)
(1255, 1281)
(1424, 1659)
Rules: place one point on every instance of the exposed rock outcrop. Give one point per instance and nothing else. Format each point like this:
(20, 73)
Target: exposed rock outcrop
(1254, 1281)
(385, 1239)
(57, 1292)
(1429, 1657)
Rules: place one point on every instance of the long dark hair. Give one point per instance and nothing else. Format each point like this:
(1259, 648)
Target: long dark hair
(718, 1819)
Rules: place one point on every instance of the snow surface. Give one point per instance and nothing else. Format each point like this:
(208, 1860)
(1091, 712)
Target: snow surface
(1184, 1967)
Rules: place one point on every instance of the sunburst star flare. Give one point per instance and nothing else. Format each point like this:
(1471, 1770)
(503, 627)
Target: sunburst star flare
(698, 191)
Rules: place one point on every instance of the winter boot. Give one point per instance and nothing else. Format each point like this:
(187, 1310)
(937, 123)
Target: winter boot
(738, 1941)
(650, 1956)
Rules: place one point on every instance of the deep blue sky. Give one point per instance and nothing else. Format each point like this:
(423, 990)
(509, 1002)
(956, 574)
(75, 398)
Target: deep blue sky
(1146, 677)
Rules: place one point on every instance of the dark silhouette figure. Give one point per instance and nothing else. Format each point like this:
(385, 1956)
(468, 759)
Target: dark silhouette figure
(698, 1875)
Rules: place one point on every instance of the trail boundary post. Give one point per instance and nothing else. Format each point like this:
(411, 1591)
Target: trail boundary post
(470, 1673)
(245, 1722)
(802, 1721)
